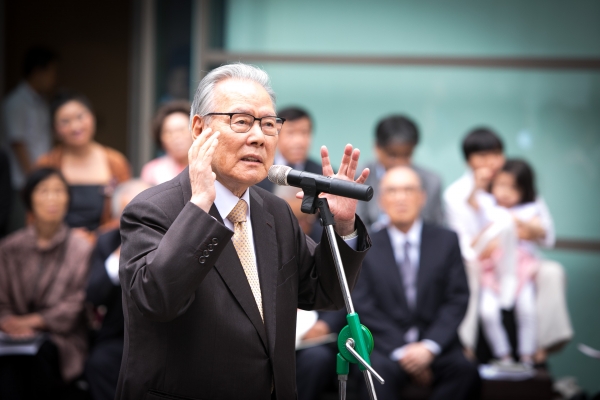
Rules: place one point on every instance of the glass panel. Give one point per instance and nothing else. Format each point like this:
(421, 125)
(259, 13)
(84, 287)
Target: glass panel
(173, 52)
(393, 27)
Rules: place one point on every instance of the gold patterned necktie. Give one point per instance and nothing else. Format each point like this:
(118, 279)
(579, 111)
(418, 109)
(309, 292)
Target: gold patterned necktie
(241, 242)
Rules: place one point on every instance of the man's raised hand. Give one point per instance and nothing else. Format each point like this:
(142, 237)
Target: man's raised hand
(202, 178)
(343, 208)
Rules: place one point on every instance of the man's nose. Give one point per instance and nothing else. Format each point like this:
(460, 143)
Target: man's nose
(255, 134)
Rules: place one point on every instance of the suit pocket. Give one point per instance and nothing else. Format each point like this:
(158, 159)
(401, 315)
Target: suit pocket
(288, 270)
(156, 395)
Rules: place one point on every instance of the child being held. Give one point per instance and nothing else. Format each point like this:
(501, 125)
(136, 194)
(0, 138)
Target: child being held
(514, 192)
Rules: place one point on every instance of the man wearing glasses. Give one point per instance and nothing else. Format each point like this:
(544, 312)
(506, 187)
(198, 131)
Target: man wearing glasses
(213, 269)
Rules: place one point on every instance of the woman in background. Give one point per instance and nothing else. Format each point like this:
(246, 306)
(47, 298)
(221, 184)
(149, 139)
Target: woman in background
(43, 269)
(172, 134)
(91, 169)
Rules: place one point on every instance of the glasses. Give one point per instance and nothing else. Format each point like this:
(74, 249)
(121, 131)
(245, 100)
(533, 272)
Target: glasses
(405, 190)
(242, 123)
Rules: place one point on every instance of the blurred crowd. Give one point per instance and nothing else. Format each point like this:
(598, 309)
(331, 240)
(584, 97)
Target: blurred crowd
(446, 271)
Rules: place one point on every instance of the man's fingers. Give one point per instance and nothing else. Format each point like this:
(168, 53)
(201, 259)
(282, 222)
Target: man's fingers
(327, 169)
(210, 143)
(363, 176)
(346, 157)
(353, 164)
(197, 144)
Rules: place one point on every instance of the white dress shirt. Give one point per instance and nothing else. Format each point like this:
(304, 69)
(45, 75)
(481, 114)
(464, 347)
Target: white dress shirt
(398, 240)
(225, 201)
(26, 119)
(112, 268)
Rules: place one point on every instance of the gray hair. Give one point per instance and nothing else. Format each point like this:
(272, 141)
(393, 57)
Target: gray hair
(204, 102)
(130, 188)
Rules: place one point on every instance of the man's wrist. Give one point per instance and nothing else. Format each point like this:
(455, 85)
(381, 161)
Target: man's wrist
(345, 228)
(201, 202)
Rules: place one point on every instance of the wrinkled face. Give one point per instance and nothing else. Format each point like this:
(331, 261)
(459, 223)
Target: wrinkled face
(75, 124)
(50, 200)
(395, 155)
(175, 136)
(505, 190)
(491, 160)
(401, 196)
(241, 159)
(294, 140)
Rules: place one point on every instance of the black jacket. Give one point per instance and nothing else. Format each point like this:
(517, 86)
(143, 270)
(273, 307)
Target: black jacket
(102, 292)
(442, 291)
(192, 327)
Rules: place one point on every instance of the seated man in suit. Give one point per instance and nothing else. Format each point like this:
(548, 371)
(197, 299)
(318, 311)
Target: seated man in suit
(213, 268)
(412, 294)
(294, 143)
(104, 294)
(396, 137)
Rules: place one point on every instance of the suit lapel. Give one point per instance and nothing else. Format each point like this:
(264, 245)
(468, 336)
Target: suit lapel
(390, 271)
(426, 262)
(230, 269)
(265, 244)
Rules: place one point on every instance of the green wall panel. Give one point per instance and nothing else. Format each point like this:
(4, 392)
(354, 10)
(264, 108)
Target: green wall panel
(583, 274)
(526, 28)
(549, 117)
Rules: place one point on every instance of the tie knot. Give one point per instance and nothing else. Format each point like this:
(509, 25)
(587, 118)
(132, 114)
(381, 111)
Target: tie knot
(406, 245)
(238, 214)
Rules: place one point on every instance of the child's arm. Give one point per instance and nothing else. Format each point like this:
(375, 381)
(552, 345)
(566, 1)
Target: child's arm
(531, 230)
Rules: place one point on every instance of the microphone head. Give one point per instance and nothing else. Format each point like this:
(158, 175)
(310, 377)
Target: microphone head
(278, 174)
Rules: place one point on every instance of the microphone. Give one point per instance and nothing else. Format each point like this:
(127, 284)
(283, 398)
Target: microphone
(286, 176)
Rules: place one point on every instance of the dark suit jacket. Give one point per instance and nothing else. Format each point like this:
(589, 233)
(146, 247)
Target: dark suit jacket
(310, 166)
(442, 291)
(102, 292)
(192, 327)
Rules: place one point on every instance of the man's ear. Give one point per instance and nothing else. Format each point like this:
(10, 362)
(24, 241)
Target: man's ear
(198, 125)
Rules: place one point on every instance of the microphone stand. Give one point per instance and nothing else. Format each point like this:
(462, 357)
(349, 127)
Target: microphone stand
(355, 342)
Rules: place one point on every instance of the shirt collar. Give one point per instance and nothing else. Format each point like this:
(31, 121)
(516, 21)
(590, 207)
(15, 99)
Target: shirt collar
(225, 200)
(413, 236)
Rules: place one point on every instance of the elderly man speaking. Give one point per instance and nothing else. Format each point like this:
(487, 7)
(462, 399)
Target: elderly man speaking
(214, 268)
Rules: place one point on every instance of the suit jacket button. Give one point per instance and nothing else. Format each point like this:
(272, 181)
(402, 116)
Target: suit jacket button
(201, 260)
(205, 252)
(210, 247)
(215, 241)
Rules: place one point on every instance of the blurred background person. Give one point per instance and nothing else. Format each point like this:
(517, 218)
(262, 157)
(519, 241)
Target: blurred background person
(413, 295)
(483, 151)
(315, 366)
(308, 222)
(43, 269)
(104, 295)
(293, 144)
(171, 133)
(6, 198)
(514, 193)
(26, 120)
(396, 137)
(91, 169)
